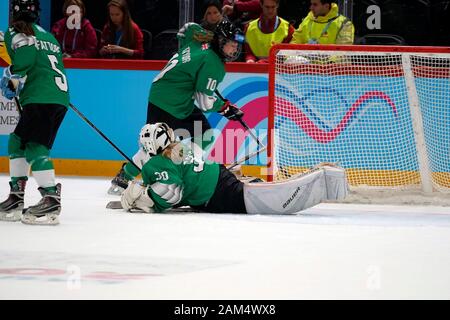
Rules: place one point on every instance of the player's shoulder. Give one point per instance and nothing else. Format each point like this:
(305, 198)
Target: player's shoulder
(196, 54)
(193, 32)
(158, 163)
(16, 39)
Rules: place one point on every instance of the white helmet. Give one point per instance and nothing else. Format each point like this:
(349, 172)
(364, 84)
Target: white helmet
(154, 138)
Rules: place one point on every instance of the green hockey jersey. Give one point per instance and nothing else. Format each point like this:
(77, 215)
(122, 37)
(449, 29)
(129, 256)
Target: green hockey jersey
(39, 58)
(179, 183)
(191, 75)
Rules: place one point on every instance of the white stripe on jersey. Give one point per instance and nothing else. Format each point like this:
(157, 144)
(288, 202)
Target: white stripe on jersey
(204, 101)
(172, 193)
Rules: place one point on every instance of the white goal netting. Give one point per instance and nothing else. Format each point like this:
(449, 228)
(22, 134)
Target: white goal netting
(383, 115)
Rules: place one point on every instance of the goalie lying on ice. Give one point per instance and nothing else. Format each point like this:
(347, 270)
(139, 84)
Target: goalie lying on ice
(173, 177)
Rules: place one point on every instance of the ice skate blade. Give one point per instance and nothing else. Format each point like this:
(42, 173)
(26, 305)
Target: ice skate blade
(12, 215)
(115, 190)
(48, 219)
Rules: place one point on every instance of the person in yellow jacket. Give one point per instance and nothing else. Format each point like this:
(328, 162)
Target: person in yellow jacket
(3, 52)
(268, 29)
(324, 25)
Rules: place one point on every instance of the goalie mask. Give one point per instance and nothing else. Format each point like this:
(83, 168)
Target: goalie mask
(154, 138)
(227, 41)
(25, 10)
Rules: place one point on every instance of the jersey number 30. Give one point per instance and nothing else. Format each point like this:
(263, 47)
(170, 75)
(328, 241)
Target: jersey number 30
(61, 81)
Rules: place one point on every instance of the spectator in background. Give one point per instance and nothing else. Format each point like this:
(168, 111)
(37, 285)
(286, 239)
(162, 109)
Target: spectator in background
(157, 16)
(212, 15)
(324, 25)
(267, 30)
(121, 37)
(74, 32)
(240, 12)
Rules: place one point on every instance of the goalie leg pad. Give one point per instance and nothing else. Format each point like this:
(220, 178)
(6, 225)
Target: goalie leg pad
(291, 196)
(336, 182)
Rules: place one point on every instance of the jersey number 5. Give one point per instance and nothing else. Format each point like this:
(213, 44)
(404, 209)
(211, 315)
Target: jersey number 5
(61, 81)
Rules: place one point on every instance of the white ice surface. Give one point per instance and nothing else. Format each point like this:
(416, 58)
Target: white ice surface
(332, 251)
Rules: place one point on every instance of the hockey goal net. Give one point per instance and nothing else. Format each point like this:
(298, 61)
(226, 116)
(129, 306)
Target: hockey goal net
(383, 113)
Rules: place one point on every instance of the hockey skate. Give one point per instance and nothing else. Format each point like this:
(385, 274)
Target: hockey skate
(119, 183)
(46, 211)
(11, 208)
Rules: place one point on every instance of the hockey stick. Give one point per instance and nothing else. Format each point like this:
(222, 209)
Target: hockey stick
(184, 209)
(12, 87)
(102, 134)
(246, 127)
(18, 106)
(261, 145)
(247, 157)
(243, 124)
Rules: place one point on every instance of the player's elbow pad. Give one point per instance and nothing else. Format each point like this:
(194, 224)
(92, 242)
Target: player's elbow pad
(22, 40)
(204, 102)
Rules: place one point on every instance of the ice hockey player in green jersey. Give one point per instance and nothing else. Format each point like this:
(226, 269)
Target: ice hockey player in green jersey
(37, 78)
(174, 177)
(185, 87)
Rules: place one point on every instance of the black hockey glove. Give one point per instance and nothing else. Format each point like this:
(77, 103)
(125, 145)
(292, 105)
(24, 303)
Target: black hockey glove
(230, 111)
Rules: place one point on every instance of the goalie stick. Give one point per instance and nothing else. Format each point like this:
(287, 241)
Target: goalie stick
(115, 205)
